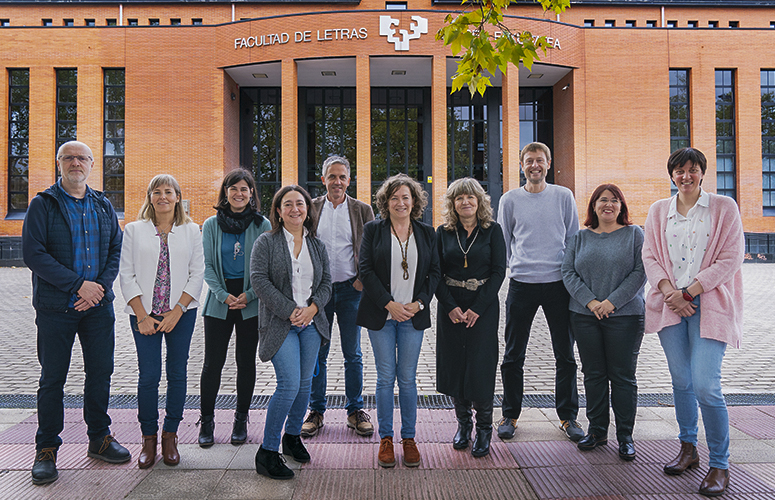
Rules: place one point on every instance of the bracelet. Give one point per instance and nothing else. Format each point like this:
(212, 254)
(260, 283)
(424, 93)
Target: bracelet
(146, 317)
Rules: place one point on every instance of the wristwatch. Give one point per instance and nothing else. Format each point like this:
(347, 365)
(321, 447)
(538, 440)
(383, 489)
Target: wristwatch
(182, 307)
(687, 296)
(422, 306)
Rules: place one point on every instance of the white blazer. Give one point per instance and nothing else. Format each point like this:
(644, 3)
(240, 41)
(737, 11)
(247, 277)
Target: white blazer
(140, 258)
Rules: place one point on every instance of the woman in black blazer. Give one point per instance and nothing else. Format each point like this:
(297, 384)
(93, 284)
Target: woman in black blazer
(399, 269)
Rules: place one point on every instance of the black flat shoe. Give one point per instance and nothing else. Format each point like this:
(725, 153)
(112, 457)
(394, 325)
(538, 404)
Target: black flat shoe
(627, 451)
(590, 442)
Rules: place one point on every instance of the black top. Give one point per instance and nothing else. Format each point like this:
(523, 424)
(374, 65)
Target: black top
(374, 269)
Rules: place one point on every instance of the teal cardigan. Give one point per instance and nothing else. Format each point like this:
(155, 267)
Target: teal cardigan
(212, 236)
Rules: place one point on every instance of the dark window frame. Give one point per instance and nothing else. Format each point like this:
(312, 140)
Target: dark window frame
(113, 141)
(18, 139)
(726, 133)
(768, 141)
(680, 112)
(261, 139)
(66, 109)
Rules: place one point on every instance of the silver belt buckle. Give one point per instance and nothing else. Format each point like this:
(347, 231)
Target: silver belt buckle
(471, 284)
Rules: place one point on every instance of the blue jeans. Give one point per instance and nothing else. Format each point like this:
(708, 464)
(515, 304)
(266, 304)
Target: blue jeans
(293, 365)
(56, 336)
(695, 370)
(344, 302)
(178, 342)
(396, 352)
(522, 304)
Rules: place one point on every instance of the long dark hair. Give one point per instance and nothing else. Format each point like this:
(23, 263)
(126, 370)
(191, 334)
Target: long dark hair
(624, 213)
(277, 223)
(232, 178)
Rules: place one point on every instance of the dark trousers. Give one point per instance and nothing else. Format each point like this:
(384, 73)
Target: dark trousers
(521, 306)
(609, 351)
(217, 337)
(56, 336)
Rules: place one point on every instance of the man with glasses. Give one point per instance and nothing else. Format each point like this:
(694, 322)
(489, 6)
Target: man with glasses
(72, 244)
(339, 220)
(538, 220)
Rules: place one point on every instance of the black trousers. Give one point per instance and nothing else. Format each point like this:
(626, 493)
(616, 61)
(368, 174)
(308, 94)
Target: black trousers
(217, 337)
(521, 306)
(609, 351)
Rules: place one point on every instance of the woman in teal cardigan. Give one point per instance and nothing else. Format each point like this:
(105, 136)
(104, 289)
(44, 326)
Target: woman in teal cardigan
(231, 303)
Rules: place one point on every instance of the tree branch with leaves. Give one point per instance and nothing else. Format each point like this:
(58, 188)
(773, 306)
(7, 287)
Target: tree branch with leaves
(468, 32)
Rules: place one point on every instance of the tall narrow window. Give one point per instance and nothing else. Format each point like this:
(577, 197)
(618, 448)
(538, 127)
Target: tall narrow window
(113, 143)
(768, 141)
(18, 138)
(679, 113)
(67, 107)
(725, 133)
(535, 121)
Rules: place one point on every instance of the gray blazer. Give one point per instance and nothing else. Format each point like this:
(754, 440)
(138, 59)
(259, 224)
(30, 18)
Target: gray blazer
(270, 276)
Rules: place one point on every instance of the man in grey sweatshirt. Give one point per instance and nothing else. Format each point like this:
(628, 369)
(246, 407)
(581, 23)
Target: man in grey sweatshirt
(538, 220)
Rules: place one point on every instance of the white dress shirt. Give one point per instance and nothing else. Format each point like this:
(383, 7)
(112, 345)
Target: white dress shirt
(687, 239)
(302, 273)
(335, 230)
(402, 290)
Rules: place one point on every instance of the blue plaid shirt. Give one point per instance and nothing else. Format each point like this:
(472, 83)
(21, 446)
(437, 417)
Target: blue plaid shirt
(85, 230)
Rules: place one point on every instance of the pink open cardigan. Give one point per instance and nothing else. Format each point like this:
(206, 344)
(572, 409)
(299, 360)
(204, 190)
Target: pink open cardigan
(721, 276)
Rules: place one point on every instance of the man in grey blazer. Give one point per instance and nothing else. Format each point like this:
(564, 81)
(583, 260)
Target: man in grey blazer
(339, 221)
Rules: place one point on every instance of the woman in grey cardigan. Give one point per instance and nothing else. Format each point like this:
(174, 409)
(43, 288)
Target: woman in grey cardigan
(289, 272)
(603, 272)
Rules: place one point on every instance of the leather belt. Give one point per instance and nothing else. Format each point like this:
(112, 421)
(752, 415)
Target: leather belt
(469, 284)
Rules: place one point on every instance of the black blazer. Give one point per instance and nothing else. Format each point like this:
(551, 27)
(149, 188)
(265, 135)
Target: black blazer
(375, 273)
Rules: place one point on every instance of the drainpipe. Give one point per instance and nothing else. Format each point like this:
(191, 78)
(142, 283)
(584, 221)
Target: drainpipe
(121, 14)
(232, 13)
(663, 17)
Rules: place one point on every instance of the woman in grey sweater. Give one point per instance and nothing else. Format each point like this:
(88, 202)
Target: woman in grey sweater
(290, 274)
(604, 275)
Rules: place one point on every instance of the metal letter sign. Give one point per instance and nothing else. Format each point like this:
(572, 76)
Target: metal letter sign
(418, 27)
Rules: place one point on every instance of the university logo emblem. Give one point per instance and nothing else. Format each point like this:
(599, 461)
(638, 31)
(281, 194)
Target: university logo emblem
(418, 27)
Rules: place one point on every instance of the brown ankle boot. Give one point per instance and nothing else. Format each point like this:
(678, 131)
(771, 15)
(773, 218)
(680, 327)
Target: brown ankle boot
(169, 448)
(148, 455)
(687, 459)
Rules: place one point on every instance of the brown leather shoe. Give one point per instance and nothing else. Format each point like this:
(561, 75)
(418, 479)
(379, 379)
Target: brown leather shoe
(715, 482)
(687, 459)
(411, 453)
(148, 455)
(169, 448)
(386, 457)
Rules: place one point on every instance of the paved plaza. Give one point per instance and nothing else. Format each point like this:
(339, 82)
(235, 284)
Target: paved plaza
(539, 463)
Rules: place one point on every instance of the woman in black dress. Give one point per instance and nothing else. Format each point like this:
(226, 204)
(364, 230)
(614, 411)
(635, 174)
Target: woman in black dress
(472, 253)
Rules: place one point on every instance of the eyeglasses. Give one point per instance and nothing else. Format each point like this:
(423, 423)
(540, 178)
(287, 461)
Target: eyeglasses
(80, 158)
(606, 200)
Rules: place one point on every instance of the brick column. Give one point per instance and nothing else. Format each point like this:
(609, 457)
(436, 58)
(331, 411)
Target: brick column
(42, 129)
(510, 128)
(363, 127)
(749, 142)
(290, 121)
(439, 122)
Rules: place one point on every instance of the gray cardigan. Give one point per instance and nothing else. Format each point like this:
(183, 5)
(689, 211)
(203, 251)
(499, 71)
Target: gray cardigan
(270, 275)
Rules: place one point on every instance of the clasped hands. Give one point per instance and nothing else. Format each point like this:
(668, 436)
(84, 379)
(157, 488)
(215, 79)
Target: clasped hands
(675, 301)
(234, 303)
(458, 316)
(602, 309)
(402, 312)
(89, 295)
(302, 316)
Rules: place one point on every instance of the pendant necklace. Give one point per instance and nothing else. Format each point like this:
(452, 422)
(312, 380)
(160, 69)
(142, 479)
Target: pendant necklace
(465, 252)
(404, 250)
(237, 247)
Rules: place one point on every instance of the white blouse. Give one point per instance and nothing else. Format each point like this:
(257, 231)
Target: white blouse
(402, 289)
(302, 273)
(687, 239)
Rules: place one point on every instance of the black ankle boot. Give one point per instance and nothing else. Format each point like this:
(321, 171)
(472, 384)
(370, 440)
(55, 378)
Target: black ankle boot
(239, 433)
(293, 446)
(481, 445)
(271, 464)
(464, 424)
(206, 429)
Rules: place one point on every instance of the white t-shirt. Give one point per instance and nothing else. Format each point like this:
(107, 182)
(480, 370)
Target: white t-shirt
(687, 238)
(402, 289)
(302, 273)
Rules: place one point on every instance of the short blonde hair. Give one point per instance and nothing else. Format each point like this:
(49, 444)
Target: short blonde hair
(536, 146)
(466, 185)
(148, 213)
(391, 185)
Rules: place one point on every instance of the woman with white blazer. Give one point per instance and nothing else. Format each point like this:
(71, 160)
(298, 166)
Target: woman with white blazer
(161, 273)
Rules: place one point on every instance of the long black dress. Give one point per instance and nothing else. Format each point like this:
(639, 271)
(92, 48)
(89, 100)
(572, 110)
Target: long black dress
(467, 358)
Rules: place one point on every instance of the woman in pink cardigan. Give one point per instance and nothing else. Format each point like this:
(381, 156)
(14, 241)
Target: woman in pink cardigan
(693, 253)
